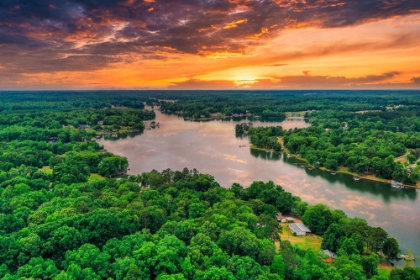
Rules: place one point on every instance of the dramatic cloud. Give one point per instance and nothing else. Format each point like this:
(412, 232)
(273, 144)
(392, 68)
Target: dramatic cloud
(290, 82)
(49, 36)
(308, 81)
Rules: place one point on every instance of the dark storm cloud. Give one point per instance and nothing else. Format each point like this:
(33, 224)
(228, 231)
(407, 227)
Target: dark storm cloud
(307, 80)
(57, 35)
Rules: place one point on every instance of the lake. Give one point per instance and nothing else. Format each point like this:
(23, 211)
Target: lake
(211, 147)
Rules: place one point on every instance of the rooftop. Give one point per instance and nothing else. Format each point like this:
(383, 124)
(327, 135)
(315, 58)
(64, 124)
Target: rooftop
(299, 227)
(330, 254)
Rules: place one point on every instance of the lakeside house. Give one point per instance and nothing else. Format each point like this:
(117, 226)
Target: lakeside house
(396, 185)
(84, 126)
(259, 225)
(280, 218)
(330, 254)
(290, 220)
(299, 229)
(118, 107)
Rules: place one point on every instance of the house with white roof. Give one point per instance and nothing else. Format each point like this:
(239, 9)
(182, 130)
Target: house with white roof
(299, 229)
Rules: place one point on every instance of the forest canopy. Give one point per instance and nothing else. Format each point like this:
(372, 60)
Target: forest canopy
(69, 211)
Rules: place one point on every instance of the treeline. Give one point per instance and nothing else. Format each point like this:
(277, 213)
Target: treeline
(169, 225)
(363, 144)
(227, 102)
(95, 119)
(402, 119)
(70, 100)
(70, 152)
(268, 104)
(54, 138)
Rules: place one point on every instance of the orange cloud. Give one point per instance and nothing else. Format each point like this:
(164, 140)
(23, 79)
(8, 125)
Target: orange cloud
(204, 44)
(234, 23)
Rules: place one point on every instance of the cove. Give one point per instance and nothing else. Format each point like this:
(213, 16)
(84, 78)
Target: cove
(212, 147)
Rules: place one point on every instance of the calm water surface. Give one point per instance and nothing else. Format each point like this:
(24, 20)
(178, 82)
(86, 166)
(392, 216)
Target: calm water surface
(211, 147)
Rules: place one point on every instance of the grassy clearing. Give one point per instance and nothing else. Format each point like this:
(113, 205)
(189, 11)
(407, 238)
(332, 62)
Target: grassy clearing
(305, 242)
(345, 170)
(281, 141)
(46, 169)
(402, 159)
(385, 270)
(95, 177)
(260, 149)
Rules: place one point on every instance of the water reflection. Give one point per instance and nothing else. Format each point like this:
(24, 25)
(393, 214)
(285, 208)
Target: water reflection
(212, 148)
(266, 155)
(384, 190)
(121, 136)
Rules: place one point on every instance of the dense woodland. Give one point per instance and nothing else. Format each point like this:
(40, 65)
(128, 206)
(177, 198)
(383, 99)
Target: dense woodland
(64, 215)
(272, 104)
(366, 143)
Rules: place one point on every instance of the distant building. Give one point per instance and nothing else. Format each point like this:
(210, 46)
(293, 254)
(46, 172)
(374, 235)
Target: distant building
(299, 229)
(84, 126)
(280, 218)
(290, 220)
(330, 254)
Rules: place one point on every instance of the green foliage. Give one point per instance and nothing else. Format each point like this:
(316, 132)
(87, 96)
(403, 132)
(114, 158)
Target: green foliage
(411, 158)
(318, 218)
(370, 265)
(362, 147)
(180, 224)
(348, 248)
(174, 233)
(266, 137)
(408, 273)
(333, 237)
(111, 166)
(391, 248)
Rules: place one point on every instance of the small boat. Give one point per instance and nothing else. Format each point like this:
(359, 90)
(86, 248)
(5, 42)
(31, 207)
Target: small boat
(357, 178)
(406, 257)
(396, 185)
(333, 173)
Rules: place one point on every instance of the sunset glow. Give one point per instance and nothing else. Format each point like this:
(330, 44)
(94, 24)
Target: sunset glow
(139, 44)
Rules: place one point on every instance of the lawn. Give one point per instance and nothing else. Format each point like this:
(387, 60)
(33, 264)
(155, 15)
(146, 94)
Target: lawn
(95, 177)
(384, 270)
(46, 169)
(305, 242)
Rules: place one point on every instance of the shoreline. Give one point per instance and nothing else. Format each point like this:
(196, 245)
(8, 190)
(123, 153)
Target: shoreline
(344, 170)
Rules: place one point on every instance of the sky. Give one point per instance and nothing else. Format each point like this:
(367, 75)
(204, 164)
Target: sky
(209, 44)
